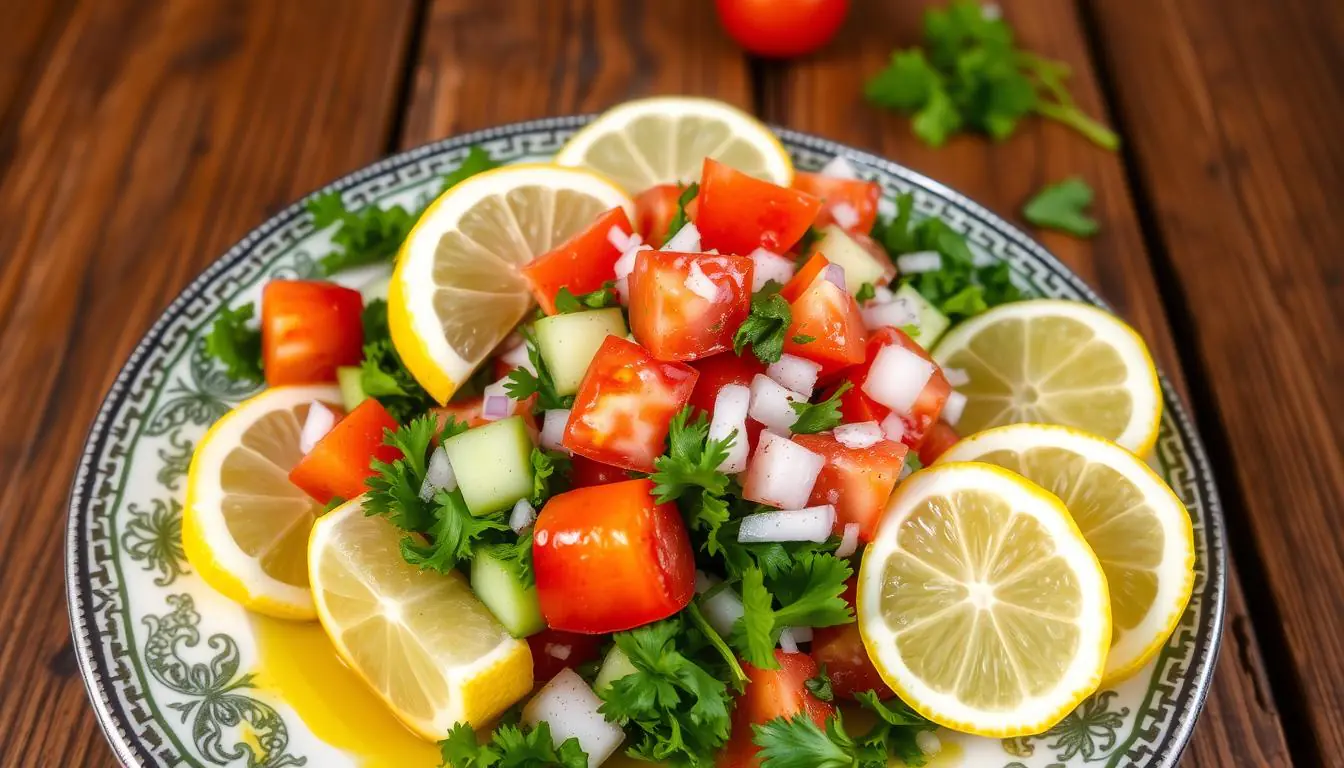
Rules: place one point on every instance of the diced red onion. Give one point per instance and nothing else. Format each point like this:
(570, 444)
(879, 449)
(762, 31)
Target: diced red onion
(956, 377)
(687, 240)
(787, 643)
(319, 422)
(864, 435)
(439, 475)
(895, 313)
(767, 266)
(570, 707)
(849, 541)
(522, 516)
(807, 524)
(835, 274)
(795, 373)
(893, 426)
(845, 215)
(928, 741)
(956, 403)
(698, 282)
(553, 429)
(897, 377)
(496, 408)
(518, 358)
(839, 168)
(919, 262)
(771, 403)
(781, 472)
(498, 388)
(730, 414)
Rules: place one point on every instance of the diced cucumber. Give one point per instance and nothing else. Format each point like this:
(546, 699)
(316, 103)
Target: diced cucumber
(351, 379)
(614, 667)
(515, 604)
(493, 464)
(860, 265)
(568, 343)
(932, 323)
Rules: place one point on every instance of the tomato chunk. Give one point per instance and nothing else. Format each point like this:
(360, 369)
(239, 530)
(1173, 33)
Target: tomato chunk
(655, 208)
(827, 328)
(738, 213)
(804, 277)
(581, 263)
(554, 650)
(772, 693)
(624, 405)
(858, 194)
(855, 406)
(669, 312)
(607, 558)
(585, 472)
(340, 462)
(717, 372)
(842, 651)
(940, 438)
(858, 481)
(309, 328)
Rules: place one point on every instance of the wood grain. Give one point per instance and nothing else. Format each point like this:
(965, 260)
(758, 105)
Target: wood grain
(1234, 109)
(151, 137)
(824, 95)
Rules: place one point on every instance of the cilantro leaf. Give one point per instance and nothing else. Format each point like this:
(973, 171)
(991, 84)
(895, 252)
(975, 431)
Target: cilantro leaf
(548, 468)
(235, 344)
(1062, 206)
(476, 161)
(510, 746)
(692, 459)
(897, 729)
(566, 302)
(809, 594)
(453, 536)
(394, 488)
(820, 686)
(374, 321)
(819, 417)
(766, 326)
(866, 293)
(680, 219)
(523, 383)
(801, 743)
(706, 514)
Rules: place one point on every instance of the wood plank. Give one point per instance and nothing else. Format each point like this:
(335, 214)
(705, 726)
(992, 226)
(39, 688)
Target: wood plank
(483, 64)
(153, 136)
(823, 94)
(1233, 111)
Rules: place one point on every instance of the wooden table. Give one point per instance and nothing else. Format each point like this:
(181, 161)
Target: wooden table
(140, 138)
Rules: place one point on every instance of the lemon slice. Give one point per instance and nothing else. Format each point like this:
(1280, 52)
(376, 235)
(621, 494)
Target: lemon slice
(420, 639)
(457, 291)
(1135, 524)
(1056, 362)
(245, 526)
(666, 139)
(980, 603)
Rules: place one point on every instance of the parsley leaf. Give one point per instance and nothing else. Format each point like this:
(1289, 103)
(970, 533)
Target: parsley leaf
(545, 466)
(866, 293)
(819, 417)
(384, 377)
(801, 743)
(523, 383)
(394, 488)
(766, 326)
(374, 320)
(809, 594)
(692, 459)
(232, 342)
(680, 219)
(820, 686)
(912, 461)
(1062, 206)
(453, 536)
(896, 730)
(510, 746)
(366, 236)
(802, 338)
(476, 161)
(566, 302)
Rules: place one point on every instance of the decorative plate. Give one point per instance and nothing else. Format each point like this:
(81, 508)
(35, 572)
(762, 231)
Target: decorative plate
(169, 664)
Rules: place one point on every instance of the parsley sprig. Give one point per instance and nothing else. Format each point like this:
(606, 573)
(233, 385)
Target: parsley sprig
(523, 383)
(566, 302)
(236, 344)
(808, 594)
(819, 417)
(680, 219)
(767, 325)
(801, 743)
(509, 746)
(692, 459)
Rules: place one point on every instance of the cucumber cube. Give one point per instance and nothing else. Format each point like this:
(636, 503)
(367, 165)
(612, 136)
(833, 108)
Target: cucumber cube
(932, 323)
(568, 343)
(351, 379)
(614, 667)
(514, 603)
(860, 266)
(493, 464)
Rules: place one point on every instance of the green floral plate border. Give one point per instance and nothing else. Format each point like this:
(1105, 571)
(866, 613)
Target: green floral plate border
(166, 660)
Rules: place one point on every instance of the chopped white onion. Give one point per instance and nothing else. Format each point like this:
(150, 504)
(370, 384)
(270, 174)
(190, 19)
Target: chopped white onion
(882, 295)
(893, 426)
(319, 422)
(687, 240)
(906, 471)
(621, 241)
(626, 264)
(559, 650)
(956, 403)
(787, 643)
(897, 377)
(771, 403)
(956, 377)
(781, 472)
(494, 408)
(795, 373)
(723, 608)
(846, 215)
(928, 741)
(801, 634)
(570, 707)
(518, 358)
(896, 312)
(767, 266)
(553, 429)
(730, 415)
(918, 262)
(623, 290)
(835, 274)
(864, 435)
(703, 582)
(849, 541)
(808, 524)
(839, 168)
(522, 516)
(439, 475)
(698, 282)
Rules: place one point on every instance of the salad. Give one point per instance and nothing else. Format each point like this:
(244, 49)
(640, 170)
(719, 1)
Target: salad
(646, 475)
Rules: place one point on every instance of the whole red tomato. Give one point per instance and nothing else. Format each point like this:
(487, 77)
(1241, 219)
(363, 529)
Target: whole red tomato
(782, 28)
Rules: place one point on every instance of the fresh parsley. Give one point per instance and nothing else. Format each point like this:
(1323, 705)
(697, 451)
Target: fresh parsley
(510, 746)
(801, 743)
(971, 75)
(566, 302)
(680, 219)
(820, 686)
(692, 459)
(866, 293)
(766, 327)
(523, 383)
(1063, 206)
(809, 595)
(453, 537)
(364, 236)
(802, 338)
(394, 488)
(383, 376)
(819, 417)
(476, 161)
(236, 344)
(550, 469)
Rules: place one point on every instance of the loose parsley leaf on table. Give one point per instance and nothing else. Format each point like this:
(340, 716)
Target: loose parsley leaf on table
(510, 746)
(1063, 206)
(566, 302)
(766, 326)
(236, 344)
(819, 417)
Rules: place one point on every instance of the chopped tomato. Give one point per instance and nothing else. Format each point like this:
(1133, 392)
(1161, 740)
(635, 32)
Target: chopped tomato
(940, 438)
(554, 650)
(772, 693)
(655, 208)
(585, 472)
(804, 277)
(857, 481)
(782, 28)
(827, 328)
(842, 652)
(669, 313)
(309, 328)
(468, 412)
(718, 371)
(624, 405)
(607, 558)
(339, 464)
(855, 406)
(582, 263)
(738, 213)
(858, 194)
